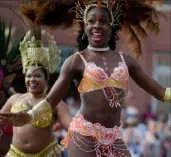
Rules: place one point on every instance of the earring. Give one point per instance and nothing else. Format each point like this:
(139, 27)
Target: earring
(83, 36)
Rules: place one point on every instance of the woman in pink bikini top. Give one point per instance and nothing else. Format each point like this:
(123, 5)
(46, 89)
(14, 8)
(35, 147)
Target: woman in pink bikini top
(96, 130)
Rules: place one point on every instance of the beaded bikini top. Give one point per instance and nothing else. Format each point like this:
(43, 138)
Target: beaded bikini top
(95, 78)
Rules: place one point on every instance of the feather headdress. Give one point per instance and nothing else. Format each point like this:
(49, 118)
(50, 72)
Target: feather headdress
(134, 18)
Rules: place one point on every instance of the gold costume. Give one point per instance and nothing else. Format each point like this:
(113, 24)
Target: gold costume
(167, 96)
(41, 114)
(34, 53)
(52, 150)
(41, 121)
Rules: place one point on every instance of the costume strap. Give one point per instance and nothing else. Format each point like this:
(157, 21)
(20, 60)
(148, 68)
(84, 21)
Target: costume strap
(122, 57)
(81, 56)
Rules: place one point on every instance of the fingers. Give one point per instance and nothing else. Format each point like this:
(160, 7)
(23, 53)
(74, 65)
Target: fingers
(16, 119)
(10, 119)
(5, 120)
(7, 114)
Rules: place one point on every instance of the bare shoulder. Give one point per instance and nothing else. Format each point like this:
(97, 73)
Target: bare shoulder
(15, 97)
(73, 62)
(74, 58)
(127, 57)
(130, 61)
(10, 102)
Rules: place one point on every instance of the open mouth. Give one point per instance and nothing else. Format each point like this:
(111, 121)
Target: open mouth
(33, 85)
(97, 36)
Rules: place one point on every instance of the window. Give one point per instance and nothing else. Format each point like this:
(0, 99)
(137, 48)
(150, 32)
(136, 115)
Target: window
(161, 73)
(66, 51)
(167, 2)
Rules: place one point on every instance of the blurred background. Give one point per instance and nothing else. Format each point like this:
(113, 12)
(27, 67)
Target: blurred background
(147, 122)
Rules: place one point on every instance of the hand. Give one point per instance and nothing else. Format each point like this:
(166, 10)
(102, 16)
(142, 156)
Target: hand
(16, 119)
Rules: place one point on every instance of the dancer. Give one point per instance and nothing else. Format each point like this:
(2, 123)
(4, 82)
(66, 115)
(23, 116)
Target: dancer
(35, 139)
(96, 130)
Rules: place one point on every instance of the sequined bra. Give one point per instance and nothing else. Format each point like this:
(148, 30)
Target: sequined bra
(95, 78)
(42, 123)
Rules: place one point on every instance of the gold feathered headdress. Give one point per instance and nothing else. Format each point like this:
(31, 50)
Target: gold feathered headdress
(33, 52)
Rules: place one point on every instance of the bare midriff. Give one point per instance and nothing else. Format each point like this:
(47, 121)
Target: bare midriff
(30, 139)
(95, 109)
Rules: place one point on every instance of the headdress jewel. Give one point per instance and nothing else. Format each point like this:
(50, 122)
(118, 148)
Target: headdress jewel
(33, 52)
(115, 8)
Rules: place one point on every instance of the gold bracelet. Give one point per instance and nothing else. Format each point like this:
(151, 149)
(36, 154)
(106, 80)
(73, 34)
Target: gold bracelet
(42, 110)
(167, 96)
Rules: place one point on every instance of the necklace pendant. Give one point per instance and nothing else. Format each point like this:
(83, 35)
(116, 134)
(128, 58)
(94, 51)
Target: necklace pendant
(105, 63)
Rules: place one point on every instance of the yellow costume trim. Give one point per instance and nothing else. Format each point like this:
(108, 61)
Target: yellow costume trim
(41, 112)
(50, 151)
(167, 96)
(88, 84)
(33, 52)
(39, 123)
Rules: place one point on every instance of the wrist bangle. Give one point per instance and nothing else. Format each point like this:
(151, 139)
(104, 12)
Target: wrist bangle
(167, 96)
(42, 110)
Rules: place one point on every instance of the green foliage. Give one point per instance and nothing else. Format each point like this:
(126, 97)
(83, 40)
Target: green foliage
(9, 51)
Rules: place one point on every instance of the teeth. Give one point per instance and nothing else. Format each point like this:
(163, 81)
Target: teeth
(97, 34)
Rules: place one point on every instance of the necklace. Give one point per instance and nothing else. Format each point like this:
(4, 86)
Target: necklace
(98, 49)
(101, 50)
(105, 63)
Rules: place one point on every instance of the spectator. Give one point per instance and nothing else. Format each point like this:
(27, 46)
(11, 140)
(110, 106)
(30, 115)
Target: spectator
(132, 136)
(152, 144)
